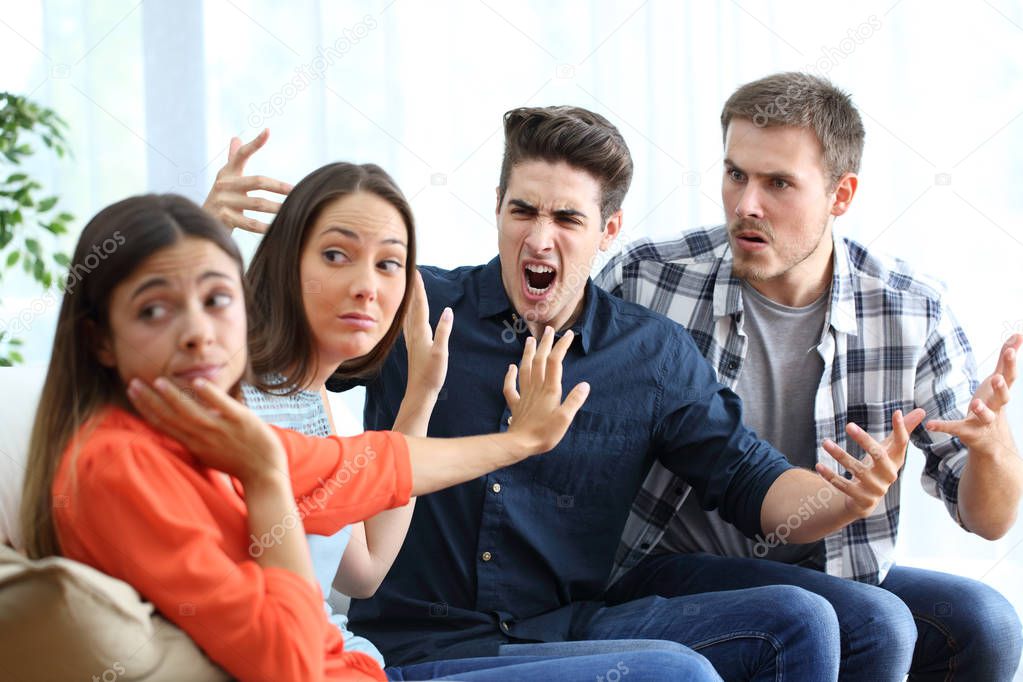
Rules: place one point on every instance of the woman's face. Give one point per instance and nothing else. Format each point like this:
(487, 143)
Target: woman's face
(179, 315)
(353, 275)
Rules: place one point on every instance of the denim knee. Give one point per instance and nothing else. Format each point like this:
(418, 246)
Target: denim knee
(889, 627)
(683, 664)
(990, 623)
(810, 611)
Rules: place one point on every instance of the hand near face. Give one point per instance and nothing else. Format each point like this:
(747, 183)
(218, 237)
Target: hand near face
(219, 431)
(229, 195)
(875, 473)
(985, 431)
(539, 417)
(427, 349)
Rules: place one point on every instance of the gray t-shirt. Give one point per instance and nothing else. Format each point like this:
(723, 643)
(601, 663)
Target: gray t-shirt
(778, 385)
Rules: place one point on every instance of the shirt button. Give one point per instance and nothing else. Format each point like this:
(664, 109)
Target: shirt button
(505, 626)
(496, 487)
(487, 556)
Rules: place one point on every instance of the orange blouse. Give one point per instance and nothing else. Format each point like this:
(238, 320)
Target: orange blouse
(136, 505)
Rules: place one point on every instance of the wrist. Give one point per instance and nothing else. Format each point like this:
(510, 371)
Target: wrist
(515, 446)
(993, 455)
(265, 479)
(271, 467)
(417, 397)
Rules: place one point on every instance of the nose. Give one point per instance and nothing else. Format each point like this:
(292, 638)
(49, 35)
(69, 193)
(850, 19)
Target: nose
(364, 284)
(749, 203)
(198, 331)
(541, 235)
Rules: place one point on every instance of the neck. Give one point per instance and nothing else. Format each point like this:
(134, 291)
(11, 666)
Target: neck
(804, 283)
(560, 324)
(321, 371)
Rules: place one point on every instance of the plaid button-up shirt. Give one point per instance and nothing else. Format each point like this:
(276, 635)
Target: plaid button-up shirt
(889, 343)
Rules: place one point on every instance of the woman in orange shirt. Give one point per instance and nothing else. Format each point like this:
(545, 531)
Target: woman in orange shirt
(143, 465)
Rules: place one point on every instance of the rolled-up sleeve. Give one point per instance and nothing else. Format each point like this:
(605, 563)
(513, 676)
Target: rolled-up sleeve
(946, 379)
(701, 439)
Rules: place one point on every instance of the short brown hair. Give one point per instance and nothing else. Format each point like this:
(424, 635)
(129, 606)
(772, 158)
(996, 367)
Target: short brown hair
(281, 341)
(579, 137)
(804, 101)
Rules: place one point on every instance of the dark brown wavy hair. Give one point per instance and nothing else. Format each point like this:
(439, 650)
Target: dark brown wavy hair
(577, 136)
(112, 246)
(281, 342)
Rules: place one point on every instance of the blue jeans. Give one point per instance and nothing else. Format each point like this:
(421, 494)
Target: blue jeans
(769, 633)
(631, 666)
(965, 629)
(932, 626)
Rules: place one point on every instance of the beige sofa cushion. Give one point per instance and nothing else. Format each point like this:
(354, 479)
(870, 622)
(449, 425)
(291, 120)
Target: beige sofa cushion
(62, 620)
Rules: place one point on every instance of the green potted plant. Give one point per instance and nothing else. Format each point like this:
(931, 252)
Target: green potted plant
(29, 221)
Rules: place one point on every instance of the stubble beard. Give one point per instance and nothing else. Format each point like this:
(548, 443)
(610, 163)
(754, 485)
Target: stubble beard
(747, 268)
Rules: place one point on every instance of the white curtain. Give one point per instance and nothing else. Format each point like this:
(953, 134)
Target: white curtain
(154, 91)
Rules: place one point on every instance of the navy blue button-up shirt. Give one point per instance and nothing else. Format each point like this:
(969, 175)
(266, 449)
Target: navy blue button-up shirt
(523, 552)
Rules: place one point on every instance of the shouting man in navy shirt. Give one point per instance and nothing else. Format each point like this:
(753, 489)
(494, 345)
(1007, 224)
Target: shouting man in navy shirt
(526, 555)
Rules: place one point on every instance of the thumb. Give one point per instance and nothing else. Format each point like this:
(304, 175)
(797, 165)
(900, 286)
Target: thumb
(511, 395)
(232, 149)
(914, 419)
(952, 428)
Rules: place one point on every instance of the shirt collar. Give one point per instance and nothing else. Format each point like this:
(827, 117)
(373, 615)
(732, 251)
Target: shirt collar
(841, 308)
(727, 287)
(493, 300)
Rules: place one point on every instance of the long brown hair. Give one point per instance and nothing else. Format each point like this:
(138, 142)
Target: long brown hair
(281, 341)
(112, 245)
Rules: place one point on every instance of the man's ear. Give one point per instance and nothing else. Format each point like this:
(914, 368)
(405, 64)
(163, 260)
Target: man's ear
(611, 229)
(497, 195)
(844, 192)
(100, 343)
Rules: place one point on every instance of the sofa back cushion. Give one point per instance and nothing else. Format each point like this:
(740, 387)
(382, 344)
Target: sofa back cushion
(62, 620)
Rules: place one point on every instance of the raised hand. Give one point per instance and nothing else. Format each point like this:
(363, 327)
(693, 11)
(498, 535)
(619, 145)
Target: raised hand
(229, 195)
(879, 468)
(539, 417)
(427, 349)
(220, 432)
(985, 430)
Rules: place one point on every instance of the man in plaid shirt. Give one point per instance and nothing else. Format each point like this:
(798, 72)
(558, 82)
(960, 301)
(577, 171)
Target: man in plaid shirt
(815, 332)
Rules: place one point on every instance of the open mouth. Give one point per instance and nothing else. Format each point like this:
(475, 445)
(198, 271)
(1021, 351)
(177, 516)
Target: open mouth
(751, 240)
(538, 279)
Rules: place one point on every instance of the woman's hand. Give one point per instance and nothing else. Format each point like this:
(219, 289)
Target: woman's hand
(427, 350)
(219, 431)
(539, 418)
(229, 195)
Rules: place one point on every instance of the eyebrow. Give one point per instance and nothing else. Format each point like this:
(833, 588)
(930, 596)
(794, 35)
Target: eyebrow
(156, 282)
(559, 213)
(355, 236)
(782, 175)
